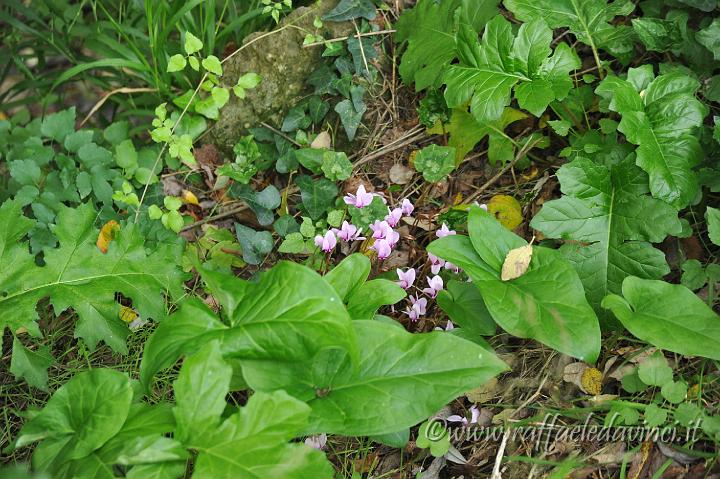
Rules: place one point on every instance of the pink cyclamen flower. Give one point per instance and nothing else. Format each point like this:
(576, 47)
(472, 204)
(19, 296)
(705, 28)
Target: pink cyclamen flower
(382, 247)
(317, 442)
(474, 416)
(394, 217)
(326, 243)
(348, 232)
(360, 199)
(454, 268)
(449, 326)
(418, 308)
(381, 229)
(435, 285)
(407, 278)
(444, 231)
(435, 263)
(407, 207)
(392, 238)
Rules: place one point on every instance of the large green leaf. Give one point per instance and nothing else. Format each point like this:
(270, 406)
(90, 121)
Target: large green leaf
(364, 301)
(547, 303)
(609, 221)
(82, 415)
(488, 71)
(78, 275)
(661, 118)
(401, 379)
(429, 28)
(668, 316)
(589, 20)
(288, 315)
(251, 443)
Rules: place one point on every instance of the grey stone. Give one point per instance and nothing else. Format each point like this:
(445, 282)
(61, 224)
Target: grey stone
(282, 63)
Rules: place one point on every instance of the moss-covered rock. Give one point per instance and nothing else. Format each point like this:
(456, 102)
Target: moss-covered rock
(284, 66)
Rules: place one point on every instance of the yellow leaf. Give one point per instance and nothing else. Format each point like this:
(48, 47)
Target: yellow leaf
(128, 315)
(591, 381)
(3, 116)
(189, 198)
(506, 210)
(107, 234)
(458, 199)
(516, 262)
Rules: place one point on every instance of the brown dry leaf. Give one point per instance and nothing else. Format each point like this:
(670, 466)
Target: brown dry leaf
(400, 174)
(421, 222)
(507, 210)
(613, 453)
(365, 464)
(321, 141)
(484, 393)
(189, 198)
(107, 234)
(516, 262)
(640, 460)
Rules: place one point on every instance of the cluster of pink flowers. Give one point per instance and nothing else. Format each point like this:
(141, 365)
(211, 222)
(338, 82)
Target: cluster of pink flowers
(383, 233)
(406, 279)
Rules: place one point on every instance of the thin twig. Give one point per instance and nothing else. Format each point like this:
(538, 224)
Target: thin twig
(220, 216)
(280, 133)
(105, 97)
(342, 39)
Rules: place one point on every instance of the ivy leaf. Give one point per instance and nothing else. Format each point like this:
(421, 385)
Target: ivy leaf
(317, 195)
(256, 245)
(547, 303)
(429, 30)
(262, 203)
(412, 376)
(350, 117)
(661, 122)
(713, 222)
(78, 275)
(609, 221)
(31, 365)
(351, 9)
(591, 21)
(488, 71)
(709, 37)
(435, 162)
(668, 316)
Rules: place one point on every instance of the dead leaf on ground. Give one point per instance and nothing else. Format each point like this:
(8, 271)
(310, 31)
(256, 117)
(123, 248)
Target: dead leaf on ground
(506, 210)
(400, 174)
(321, 141)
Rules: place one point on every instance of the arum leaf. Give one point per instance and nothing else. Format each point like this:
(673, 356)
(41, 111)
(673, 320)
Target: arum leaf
(668, 316)
(547, 303)
(661, 122)
(516, 263)
(262, 326)
(366, 299)
(464, 304)
(87, 411)
(609, 221)
(349, 275)
(412, 376)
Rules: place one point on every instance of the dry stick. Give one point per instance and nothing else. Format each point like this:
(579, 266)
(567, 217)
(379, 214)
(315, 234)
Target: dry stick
(280, 133)
(342, 39)
(395, 145)
(182, 114)
(105, 97)
(362, 49)
(501, 450)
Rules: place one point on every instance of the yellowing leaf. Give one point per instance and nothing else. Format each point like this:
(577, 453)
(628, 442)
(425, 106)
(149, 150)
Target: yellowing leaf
(3, 116)
(107, 234)
(128, 315)
(506, 210)
(516, 262)
(189, 198)
(591, 381)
